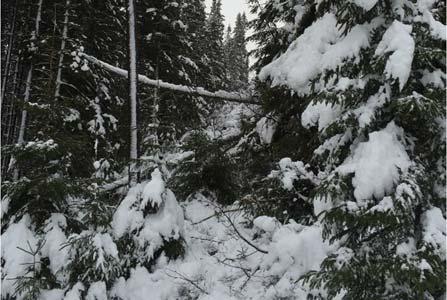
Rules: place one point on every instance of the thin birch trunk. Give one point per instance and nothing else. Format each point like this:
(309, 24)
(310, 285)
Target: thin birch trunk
(133, 88)
(132, 82)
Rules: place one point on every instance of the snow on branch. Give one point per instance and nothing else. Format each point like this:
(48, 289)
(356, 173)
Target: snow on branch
(199, 91)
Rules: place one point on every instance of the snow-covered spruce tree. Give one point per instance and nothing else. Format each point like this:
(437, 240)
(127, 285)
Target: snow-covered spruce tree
(275, 27)
(54, 211)
(237, 62)
(166, 54)
(276, 131)
(227, 46)
(193, 15)
(214, 37)
(372, 77)
(44, 177)
(104, 111)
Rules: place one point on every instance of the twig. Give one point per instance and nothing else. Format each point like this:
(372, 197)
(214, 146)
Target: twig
(183, 277)
(116, 184)
(239, 234)
(204, 239)
(215, 215)
(249, 277)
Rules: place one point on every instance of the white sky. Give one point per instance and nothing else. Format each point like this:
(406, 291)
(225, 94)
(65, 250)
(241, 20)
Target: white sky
(230, 9)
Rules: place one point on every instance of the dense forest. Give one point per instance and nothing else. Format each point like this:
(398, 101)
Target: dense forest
(147, 154)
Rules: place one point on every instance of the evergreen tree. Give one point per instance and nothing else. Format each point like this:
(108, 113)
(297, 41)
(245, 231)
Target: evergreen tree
(377, 193)
(346, 151)
(214, 37)
(276, 26)
(228, 47)
(193, 15)
(238, 68)
(54, 197)
(276, 131)
(166, 54)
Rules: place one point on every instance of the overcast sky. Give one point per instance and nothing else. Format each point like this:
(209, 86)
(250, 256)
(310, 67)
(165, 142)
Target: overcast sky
(230, 9)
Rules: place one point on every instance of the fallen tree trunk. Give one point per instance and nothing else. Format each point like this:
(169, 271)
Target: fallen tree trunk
(198, 91)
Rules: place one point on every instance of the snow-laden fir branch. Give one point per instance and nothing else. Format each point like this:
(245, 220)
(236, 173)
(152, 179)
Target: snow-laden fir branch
(199, 91)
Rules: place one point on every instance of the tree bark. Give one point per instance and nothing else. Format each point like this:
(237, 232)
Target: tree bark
(7, 65)
(61, 55)
(29, 78)
(132, 81)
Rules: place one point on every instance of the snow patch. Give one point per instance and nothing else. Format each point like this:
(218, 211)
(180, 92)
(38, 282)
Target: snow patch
(97, 291)
(142, 285)
(266, 129)
(398, 40)
(75, 292)
(296, 249)
(54, 239)
(321, 47)
(16, 261)
(376, 163)
(153, 191)
(366, 4)
(434, 225)
(268, 224)
(320, 113)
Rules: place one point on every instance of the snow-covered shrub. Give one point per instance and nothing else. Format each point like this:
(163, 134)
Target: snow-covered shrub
(92, 257)
(147, 222)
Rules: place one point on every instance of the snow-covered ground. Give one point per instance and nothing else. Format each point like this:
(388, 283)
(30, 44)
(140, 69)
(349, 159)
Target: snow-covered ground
(219, 264)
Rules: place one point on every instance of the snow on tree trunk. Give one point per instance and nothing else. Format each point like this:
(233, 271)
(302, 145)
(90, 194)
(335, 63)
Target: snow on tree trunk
(29, 78)
(132, 82)
(198, 91)
(61, 57)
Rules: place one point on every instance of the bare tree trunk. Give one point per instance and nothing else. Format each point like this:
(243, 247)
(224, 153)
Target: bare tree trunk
(7, 65)
(155, 122)
(29, 79)
(10, 112)
(61, 55)
(133, 89)
(133, 82)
